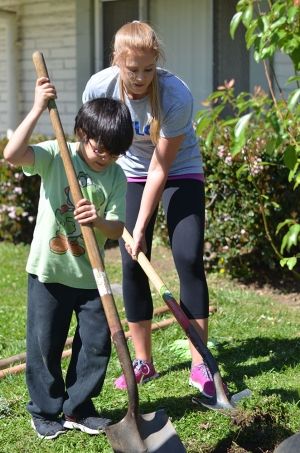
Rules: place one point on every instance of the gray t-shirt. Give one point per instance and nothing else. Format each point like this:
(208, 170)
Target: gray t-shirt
(176, 119)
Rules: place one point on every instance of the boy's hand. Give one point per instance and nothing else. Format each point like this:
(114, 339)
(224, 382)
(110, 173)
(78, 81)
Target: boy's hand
(85, 212)
(44, 91)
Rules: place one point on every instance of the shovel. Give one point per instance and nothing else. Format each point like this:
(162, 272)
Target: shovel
(289, 445)
(220, 401)
(135, 433)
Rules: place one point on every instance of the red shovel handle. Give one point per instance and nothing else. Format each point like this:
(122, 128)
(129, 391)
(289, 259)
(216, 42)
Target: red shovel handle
(182, 319)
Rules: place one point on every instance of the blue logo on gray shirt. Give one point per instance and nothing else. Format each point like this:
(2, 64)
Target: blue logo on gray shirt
(139, 131)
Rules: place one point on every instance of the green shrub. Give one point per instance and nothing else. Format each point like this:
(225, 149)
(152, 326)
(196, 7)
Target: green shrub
(240, 207)
(246, 180)
(19, 197)
(235, 236)
(252, 154)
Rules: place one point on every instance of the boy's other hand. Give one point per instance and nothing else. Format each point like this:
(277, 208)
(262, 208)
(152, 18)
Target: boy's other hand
(85, 212)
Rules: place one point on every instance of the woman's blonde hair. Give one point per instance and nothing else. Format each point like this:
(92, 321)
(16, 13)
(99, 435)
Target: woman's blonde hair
(140, 36)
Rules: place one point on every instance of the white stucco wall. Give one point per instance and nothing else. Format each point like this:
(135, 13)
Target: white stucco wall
(3, 80)
(8, 89)
(186, 30)
(47, 26)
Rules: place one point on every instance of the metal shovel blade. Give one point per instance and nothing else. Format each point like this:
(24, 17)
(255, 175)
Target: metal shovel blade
(219, 404)
(159, 434)
(124, 436)
(289, 445)
(154, 429)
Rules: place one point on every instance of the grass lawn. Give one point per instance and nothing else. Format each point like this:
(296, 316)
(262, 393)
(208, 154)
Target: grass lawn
(254, 338)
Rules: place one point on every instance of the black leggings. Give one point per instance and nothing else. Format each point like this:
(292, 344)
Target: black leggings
(184, 208)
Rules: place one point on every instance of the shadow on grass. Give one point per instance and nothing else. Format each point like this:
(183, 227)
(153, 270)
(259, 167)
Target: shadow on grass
(176, 408)
(262, 428)
(270, 354)
(285, 395)
(251, 270)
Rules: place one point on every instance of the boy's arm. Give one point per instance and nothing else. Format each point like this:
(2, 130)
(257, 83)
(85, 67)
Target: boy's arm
(17, 151)
(85, 214)
(112, 229)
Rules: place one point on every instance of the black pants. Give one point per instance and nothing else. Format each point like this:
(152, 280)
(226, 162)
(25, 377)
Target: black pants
(50, 309)
(183, 203)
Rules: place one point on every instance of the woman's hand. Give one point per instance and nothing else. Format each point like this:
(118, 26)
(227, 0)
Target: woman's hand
(85, 212)
(138, 246)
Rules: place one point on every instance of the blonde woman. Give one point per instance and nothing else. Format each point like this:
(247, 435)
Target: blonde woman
(163, 163)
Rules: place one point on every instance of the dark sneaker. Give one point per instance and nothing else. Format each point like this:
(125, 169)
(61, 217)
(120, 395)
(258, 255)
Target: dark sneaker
(47, 429)
(144, 371)
(89, 425)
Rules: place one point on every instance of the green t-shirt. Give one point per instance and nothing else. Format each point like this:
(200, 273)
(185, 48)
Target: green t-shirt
(57, 253)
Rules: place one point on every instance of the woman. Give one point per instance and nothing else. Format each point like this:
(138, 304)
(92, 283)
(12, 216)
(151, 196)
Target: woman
(163, 163)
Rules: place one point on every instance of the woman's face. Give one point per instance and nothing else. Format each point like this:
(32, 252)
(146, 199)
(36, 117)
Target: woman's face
(137, 70)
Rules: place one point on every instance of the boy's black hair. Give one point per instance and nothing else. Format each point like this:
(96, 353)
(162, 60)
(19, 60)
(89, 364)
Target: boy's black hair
(108, 122)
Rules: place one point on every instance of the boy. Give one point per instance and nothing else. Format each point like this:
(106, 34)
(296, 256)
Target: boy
(60, 278)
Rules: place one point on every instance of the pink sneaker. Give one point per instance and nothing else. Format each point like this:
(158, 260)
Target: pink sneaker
(144, 371)
(201, 378)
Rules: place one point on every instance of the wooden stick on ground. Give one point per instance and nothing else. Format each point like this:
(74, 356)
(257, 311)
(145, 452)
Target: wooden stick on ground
(67, 352)
(10, 362)
(21, 357)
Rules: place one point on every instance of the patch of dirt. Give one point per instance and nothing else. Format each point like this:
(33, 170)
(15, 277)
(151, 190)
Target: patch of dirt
(291, 298)
(281, 287)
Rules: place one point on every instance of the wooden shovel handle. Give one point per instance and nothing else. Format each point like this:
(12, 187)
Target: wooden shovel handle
(159, 284)
(145, 263)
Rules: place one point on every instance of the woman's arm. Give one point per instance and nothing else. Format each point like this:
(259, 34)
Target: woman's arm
(17, 151)
(164, 155)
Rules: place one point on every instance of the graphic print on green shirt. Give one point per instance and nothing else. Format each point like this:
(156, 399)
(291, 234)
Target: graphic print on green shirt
(68, 235)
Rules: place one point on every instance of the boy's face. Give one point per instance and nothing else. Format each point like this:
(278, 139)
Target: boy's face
(95, 157)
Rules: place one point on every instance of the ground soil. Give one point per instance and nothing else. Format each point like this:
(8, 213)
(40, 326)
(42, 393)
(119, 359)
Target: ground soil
(282, 287)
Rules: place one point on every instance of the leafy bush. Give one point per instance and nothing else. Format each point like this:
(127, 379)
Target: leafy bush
(252, 155)
(19, 197)
(247, 194)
